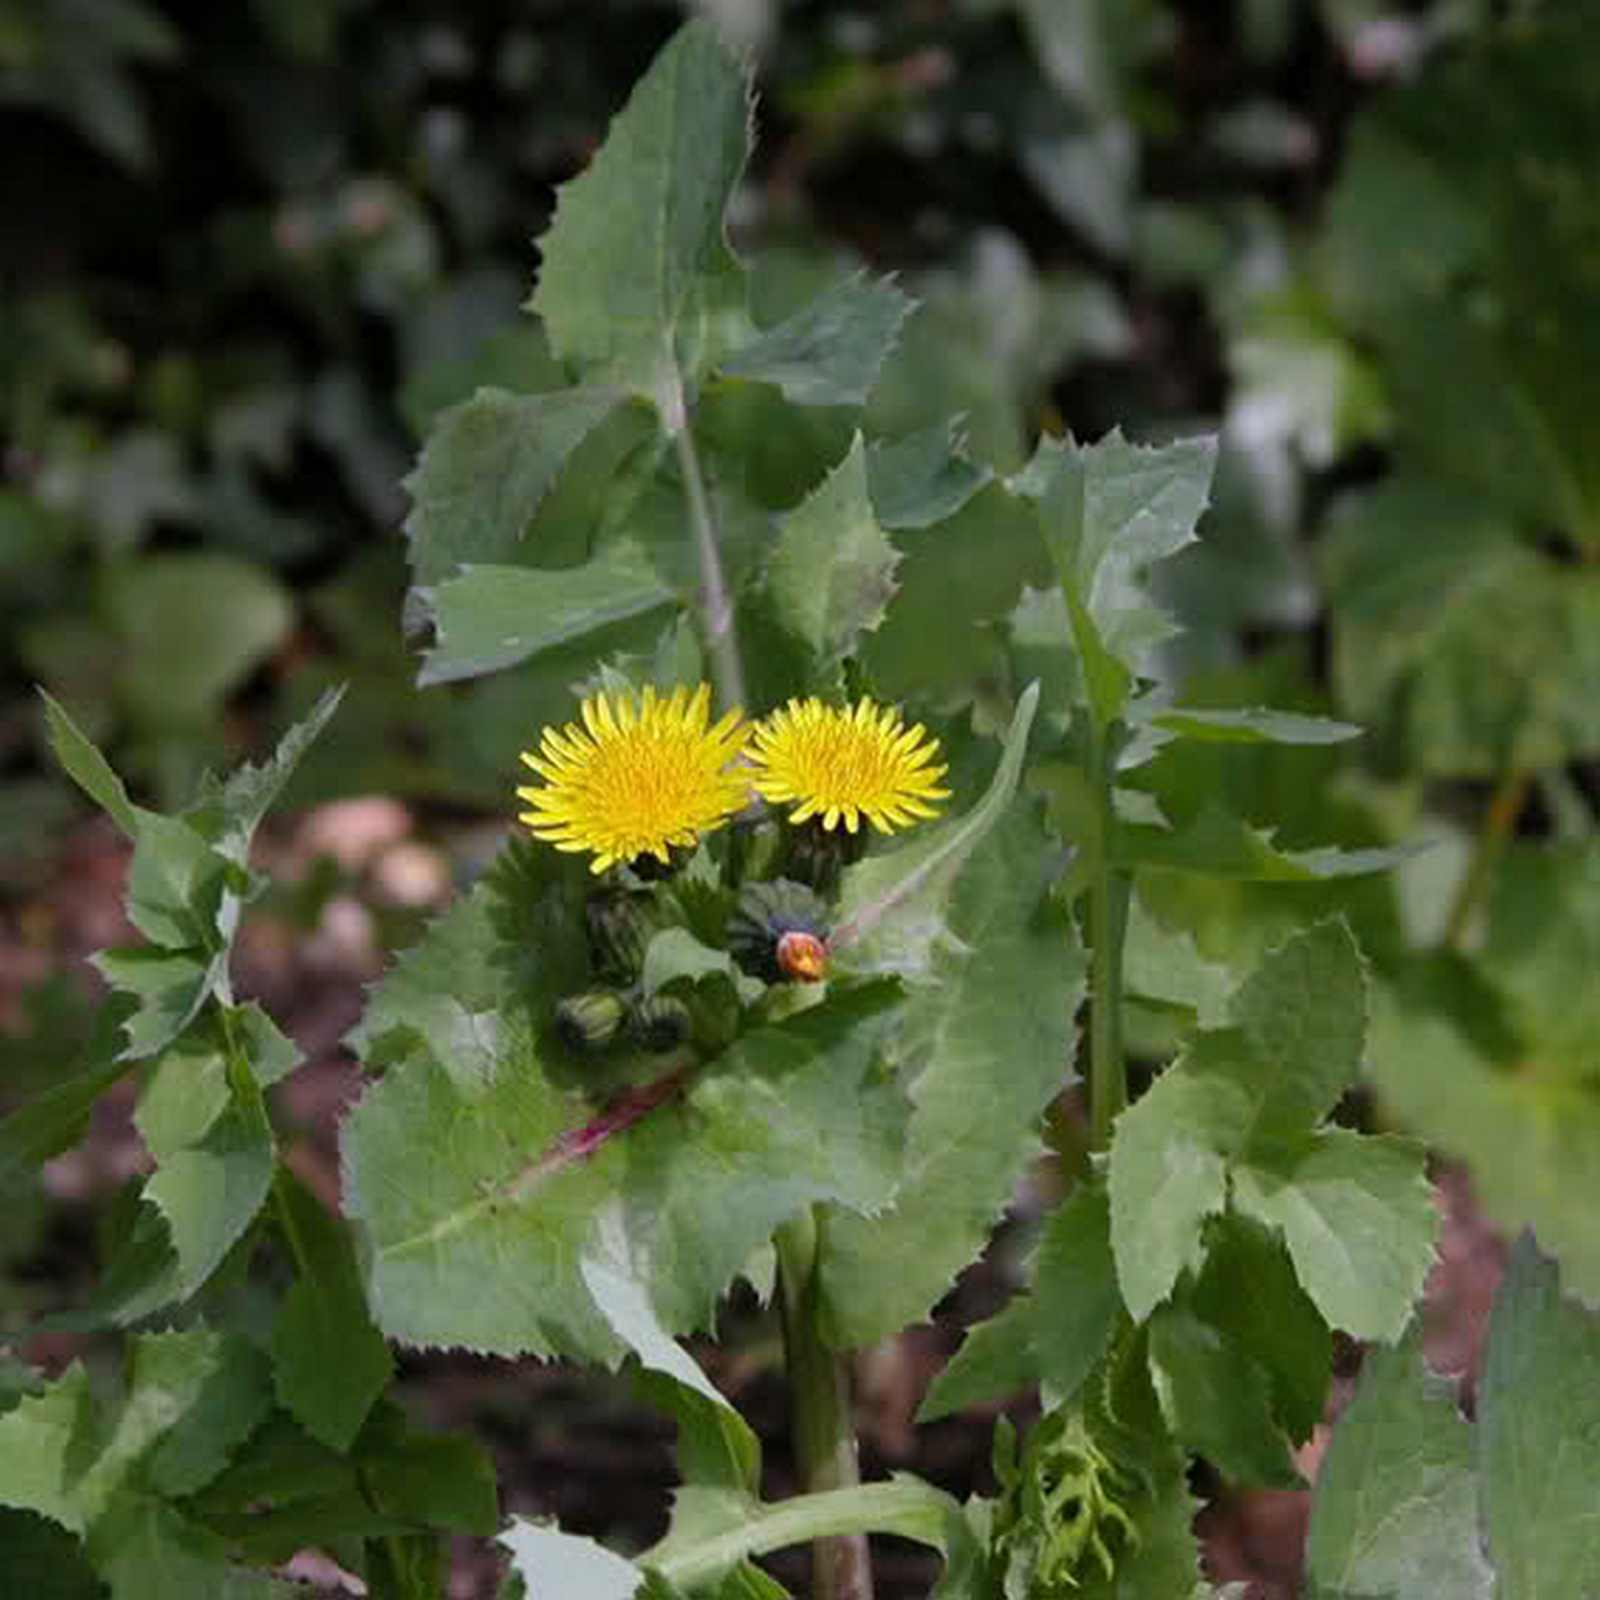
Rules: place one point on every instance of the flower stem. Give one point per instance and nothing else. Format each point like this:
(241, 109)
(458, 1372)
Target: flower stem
(1505, 806)
(824, 1433)
(716, 604)
(1109, 890)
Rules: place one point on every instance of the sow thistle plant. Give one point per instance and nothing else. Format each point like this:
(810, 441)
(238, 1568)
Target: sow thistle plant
(783, 1002)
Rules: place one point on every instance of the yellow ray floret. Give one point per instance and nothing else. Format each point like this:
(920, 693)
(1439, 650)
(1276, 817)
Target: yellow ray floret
(842, 763)
(637, 776)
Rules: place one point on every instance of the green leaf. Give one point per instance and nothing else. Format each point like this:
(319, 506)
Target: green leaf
(175, 884)
(1107, 512)
(146, 1550)
(235, 809)
(44, 1442)
(565, 1566)
(1168, 1175)
(1395, 1508)
(1303, 1013)
(1217, 1400)
(329, 1362)
(831, 573)
(449, 1178)
(922, 479)
(1077, 1305)
(1254, 726)
(185, 1093)
(890, 904)
(43, 1561)
(89, 769)
(1005, 984)
(1215, 843)
(1357, 1215)
(170, 988)
(269, 1054)
(829, 352)
(1539, 1434)
(984, 551)
(998, 1358)
(495, 616)
(485, 471)
(675, 954)
(436, 1480)
(637, 244)
(1248, 1291)
(209, 1192)
(222, 1386)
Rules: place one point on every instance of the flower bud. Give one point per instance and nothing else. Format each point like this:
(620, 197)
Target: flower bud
(660, 1024)
(589, 1023)
(619, 928)
(768, 914)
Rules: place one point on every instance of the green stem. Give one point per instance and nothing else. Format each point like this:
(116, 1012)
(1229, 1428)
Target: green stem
(716, 603)
(1109, 891)
(824, 1431)
(1505, 806)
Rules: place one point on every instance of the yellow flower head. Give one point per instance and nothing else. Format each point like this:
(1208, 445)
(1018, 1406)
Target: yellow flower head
(636, 777)
(842, 763)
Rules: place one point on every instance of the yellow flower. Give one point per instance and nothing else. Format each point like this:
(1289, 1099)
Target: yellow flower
(636, 777)
(841, 763)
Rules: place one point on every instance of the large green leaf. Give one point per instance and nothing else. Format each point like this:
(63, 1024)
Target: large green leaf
(485, 471)
(495, 616)
(1539, 1435)
(632, 258)
(1234, 1122)
(480, 1200)
(829, 352)
(1395, 1508)
(831, 573)
(984, 1049)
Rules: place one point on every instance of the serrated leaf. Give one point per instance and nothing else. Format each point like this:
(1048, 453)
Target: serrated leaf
(495, 616)
(923, 478)
(831, 573)
(485, 471)
(329, 1362)
(170, 988)
(1539, 1434)
(1168, 1174)
(889, 917)
(1164, 966)
(675, 953)
(1218, 844)
(830, 351)
(637, 243)
(209, 1192)
(1107, 512)
(185, 1093)
(89, 769)
(449, 1180)
(1395, 1508)
(223, 1386)
(236, 808)
(565, 1566)
(45, 1441)
(1077, 1304)
(997, 1358)
(1357, 1215)
(175, 883)
(435, 1480)
(146, 1550)
(1303, 1012)
(1217, 1400)
(1007, 982)
(1254, 726)
(268, 1052)
(1249, 1291)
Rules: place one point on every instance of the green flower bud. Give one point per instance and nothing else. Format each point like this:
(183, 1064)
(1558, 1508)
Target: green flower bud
(779, 931)
(619, 926)
(660, 1024)
(589, 1023)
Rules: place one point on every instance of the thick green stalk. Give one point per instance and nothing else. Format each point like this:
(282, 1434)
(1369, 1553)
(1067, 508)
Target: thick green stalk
(824, 1431)
(1109, 890)
(716, 603)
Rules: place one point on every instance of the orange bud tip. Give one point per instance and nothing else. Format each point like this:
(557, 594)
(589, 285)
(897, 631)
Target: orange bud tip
(802, 957)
